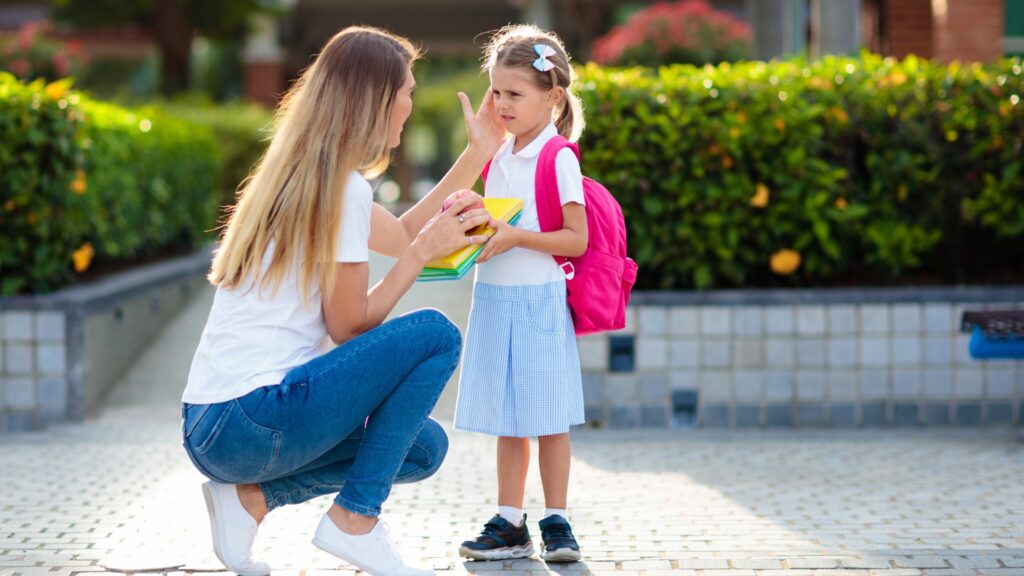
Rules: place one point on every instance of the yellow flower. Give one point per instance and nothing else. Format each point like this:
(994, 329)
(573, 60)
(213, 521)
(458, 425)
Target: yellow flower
(734, 133)
(83, 257)
(785, 262)
(780, 124)
(760, 199)
(839, 114)
(78, 185)
(55, 90)
(841, 203)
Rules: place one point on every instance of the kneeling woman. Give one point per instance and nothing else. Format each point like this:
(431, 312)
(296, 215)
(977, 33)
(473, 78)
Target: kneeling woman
(274, 412)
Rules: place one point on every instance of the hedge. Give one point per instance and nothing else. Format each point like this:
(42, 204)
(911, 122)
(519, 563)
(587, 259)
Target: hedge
(839, 171)
(242, 132)
(81, 179)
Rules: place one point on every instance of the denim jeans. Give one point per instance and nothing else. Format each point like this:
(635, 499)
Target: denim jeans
(353, 421)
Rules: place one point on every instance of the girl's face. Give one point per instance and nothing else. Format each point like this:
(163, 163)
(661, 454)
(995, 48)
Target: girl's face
(401, 109)
(524, 107)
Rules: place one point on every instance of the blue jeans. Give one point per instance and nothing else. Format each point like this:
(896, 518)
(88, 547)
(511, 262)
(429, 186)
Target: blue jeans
(353, 421)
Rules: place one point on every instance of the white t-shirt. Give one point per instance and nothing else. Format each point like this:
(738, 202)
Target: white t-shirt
(512, 176)
(253, 339)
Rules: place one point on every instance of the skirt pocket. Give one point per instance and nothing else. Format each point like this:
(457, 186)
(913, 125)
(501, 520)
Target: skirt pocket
(545, 315)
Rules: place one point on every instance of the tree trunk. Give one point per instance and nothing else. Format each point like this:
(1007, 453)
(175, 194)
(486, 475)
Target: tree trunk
(173, 29)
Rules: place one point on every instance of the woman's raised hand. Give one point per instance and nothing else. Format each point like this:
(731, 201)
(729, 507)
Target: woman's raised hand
(486, 133)
(446, 232)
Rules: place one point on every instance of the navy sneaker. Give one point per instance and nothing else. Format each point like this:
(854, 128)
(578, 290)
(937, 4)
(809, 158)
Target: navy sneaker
(500, 540)
(559, 543)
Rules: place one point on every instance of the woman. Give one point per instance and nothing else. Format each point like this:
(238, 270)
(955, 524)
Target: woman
(273, 413)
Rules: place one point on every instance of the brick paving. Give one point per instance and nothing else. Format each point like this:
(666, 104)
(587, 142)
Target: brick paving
(118, 494)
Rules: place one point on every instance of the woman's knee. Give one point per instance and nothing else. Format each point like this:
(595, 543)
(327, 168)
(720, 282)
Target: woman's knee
(432, 443)
(436, 328)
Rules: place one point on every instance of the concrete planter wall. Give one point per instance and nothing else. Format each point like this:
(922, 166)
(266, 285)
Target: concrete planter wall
(61, 352)
(843, 358)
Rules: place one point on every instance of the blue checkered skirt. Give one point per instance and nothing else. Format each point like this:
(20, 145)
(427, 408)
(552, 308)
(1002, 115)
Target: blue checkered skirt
(520, 366)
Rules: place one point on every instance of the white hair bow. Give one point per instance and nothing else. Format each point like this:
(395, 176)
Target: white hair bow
(544, 51)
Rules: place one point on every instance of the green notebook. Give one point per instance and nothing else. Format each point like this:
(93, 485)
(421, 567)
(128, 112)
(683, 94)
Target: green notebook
(431, 274)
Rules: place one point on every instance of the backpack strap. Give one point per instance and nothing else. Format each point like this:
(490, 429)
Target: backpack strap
(487, 170)
(549, 203)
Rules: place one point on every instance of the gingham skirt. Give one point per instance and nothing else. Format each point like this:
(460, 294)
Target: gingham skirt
(520, 365)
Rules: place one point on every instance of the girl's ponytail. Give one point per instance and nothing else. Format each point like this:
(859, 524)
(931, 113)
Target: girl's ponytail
(570, 120)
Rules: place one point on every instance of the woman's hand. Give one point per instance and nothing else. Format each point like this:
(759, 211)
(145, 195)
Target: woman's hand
(505, 238)
(446, 232)
(485, 130)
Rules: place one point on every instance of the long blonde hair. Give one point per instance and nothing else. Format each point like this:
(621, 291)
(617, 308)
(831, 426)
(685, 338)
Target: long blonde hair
(334, 120)
(512, 46)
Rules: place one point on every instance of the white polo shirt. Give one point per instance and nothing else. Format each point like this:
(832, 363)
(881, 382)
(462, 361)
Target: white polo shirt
(253, 339)
(512, 176)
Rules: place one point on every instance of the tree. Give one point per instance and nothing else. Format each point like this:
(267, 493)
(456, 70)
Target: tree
(172, 23)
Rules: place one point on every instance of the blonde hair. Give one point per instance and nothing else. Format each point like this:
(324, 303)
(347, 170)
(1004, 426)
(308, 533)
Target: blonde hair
(334, 120)
(512, 46)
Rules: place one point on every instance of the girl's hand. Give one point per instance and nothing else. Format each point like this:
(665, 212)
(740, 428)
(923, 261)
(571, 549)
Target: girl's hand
(505, 238)
(485, 130)
(446, 232)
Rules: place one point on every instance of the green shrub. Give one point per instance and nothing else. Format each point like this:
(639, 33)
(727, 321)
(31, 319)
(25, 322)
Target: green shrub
(242, 132)
(867, 169)
(82, 179)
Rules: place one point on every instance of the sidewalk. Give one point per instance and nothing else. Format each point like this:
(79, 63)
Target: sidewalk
(118, 493)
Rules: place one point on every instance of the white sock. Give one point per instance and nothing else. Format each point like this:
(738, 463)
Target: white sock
(513, 515)
(549, 512)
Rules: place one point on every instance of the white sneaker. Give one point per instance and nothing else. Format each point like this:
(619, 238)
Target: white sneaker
(373, 553)
(233, 530)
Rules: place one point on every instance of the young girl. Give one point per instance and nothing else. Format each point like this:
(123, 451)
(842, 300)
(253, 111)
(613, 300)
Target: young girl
(520, 371)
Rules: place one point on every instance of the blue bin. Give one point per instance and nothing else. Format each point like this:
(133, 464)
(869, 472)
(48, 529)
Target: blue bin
(984, 348)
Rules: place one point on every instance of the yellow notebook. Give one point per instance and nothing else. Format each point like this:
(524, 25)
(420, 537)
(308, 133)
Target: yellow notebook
(501, 209)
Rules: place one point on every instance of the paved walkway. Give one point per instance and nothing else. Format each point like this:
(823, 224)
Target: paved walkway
(118, 494)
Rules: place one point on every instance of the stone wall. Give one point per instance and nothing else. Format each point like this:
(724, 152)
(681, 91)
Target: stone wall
(60, 353)
(801, 358)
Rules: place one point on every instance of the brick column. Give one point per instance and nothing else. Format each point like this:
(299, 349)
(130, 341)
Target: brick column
(263, 82)
(264, 63)
(908, 28)
(968, 30)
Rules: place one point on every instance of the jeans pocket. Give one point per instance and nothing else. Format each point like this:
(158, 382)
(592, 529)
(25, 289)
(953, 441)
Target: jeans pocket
(236, 449)
(192, 417)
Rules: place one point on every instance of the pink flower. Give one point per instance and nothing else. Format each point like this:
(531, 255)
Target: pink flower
(61, 65)
(667, 28)
(20, 67)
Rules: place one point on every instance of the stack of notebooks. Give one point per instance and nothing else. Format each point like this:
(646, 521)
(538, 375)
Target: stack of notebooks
(455, 265)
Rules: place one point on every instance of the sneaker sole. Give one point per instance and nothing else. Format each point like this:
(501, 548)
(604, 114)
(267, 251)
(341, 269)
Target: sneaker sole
(561, 555)
(323, 546)
(524, 551)
(211, 511)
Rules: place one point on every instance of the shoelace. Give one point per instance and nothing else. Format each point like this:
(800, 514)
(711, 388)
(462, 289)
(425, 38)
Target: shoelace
(556, 532)
(385, 540)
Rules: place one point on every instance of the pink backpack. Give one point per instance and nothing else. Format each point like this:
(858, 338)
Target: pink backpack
(599, 281)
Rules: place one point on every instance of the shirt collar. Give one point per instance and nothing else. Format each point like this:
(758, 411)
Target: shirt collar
(532, 149)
